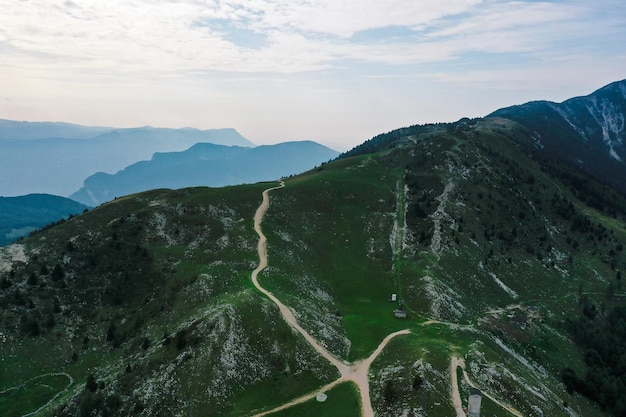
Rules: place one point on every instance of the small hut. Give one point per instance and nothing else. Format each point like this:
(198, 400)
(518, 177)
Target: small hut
(400, 313)
(475, 397)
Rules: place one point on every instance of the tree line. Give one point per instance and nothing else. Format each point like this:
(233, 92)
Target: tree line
(602, 338)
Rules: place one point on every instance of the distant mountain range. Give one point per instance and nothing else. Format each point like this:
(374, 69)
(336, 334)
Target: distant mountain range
(56, 158)
(20, 130)
(205, 164)
(33, 159)
(21, 215)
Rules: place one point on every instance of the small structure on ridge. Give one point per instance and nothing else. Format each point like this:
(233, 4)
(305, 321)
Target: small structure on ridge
(400, 312)
(475, 397)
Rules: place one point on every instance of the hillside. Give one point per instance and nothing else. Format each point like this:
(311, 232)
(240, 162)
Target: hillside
(145, 305)
(205, 164)
(22, 215)
(587, 132)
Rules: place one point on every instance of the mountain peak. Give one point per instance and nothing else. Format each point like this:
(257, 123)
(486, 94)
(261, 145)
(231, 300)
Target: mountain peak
(596, 120)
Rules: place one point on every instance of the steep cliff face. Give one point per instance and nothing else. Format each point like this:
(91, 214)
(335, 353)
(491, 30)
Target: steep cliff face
(588, 131)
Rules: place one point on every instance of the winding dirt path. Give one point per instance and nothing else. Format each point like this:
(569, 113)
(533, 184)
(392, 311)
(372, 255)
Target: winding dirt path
(284, 310)
(356, 372)
(501, 404)
(456, 397)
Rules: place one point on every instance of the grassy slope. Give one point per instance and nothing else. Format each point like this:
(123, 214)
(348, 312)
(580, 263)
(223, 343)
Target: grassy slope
(328, 217)
(481, 232)
(138, 265)
(342, 401)
(338, 277)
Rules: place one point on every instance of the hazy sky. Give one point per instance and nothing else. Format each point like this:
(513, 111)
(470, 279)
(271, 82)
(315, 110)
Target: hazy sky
(334, 71)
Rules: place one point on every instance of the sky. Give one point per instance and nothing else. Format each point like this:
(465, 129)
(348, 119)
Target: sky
(334, 71)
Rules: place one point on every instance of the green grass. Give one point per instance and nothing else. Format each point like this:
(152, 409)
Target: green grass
(272, 392)
(360, 285)
(343, 401)
(331, 260)
(31, 395)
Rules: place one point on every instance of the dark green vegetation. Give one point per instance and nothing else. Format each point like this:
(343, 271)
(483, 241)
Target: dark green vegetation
(342, 401)
(21, 215)
(151, 295)
(602, 334)
(586, 131)
(497, 251)
(31, 394)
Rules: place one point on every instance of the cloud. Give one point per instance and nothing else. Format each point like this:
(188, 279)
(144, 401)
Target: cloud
(288, 66)
(174, 37)
(343, 18)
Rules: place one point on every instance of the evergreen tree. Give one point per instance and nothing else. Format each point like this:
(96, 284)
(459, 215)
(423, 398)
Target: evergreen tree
(57, 273)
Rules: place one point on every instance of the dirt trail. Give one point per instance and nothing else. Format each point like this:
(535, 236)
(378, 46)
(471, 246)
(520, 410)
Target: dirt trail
(356, 372)
(501, 404)
(359, 374)
(284, 310)
(302, 399)
(456, 397)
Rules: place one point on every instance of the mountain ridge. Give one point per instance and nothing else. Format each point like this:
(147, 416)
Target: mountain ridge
(597, 120)
(24, 214)
(493, 250)
(24, 130)
(11, 130)
(205, 164)
(59, 165)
